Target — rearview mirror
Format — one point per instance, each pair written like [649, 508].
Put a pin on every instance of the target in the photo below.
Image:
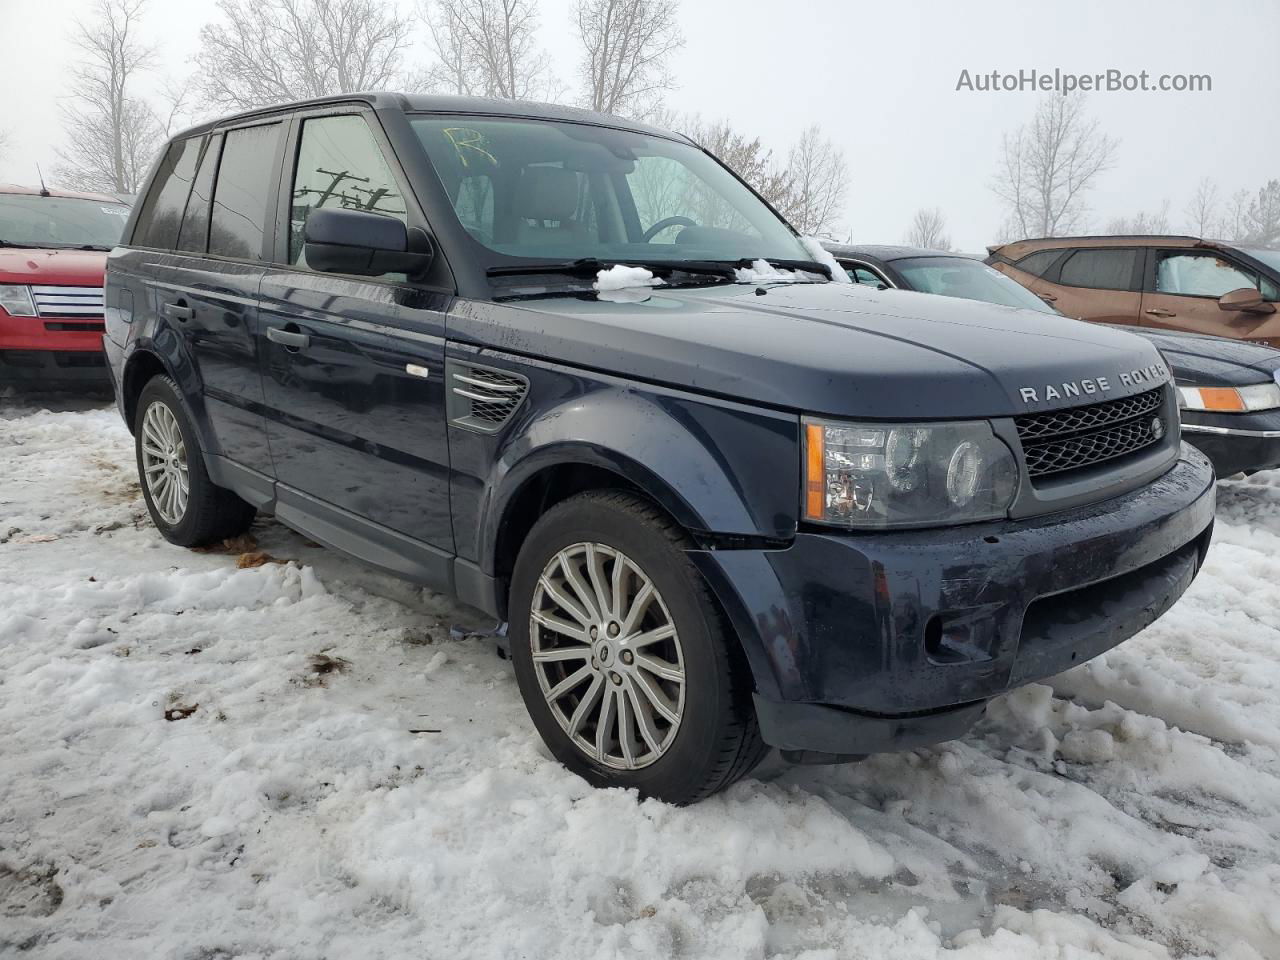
[362, 243]
[1246, 299]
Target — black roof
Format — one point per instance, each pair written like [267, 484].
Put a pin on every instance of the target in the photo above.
[442, 103]
[887, 252]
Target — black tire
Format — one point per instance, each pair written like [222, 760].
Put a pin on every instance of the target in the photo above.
[212, 513]
[717, 740]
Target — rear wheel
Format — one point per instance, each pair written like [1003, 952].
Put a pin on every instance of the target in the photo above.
[185, 505]
[623, 659]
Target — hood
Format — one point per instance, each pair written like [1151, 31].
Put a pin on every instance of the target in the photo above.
[74, 268]
[827, 348]
[1199, 360]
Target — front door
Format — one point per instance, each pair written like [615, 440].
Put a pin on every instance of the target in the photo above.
[1182, 293]
[353, 370]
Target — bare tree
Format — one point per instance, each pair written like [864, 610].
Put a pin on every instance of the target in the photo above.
[1202, 210]
[489, 48]
[1142, 222]
[112, 135]
[928, 229]
[1048, 166]
[1262, 223]
[818, 178]
[745, 156]
[1233, 225]
[272, 51]
[4, 143]
[626, 46]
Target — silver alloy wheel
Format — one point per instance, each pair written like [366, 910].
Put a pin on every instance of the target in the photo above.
[164, 462]
[607, 656]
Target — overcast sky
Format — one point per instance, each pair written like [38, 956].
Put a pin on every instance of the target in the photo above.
[880, 78]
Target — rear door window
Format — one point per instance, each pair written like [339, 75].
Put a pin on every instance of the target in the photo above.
[161, 214]
[1107, 269]
[245, 175]
[195, 222]
[1199, 274]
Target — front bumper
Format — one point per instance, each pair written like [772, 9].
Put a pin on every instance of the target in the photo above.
[51, 352]
[862, 643]
[1237, 442]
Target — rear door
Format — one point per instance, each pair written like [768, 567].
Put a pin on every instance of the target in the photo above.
[1102, 284]
[1182, 291]
[204, 288]
[353, 367]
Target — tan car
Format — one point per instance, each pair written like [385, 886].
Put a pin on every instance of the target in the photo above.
[1162, 282]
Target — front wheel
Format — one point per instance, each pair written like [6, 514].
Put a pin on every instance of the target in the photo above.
[623, 658]
[185, 505]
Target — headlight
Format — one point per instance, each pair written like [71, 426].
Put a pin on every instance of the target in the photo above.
[1256, 396]
[17, 300]
[905, 475]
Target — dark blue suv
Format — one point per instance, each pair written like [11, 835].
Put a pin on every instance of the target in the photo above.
[575, 372]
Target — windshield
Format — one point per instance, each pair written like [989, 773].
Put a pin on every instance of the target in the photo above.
[969, 280]
[30, 220]
[1270, 257]
[546, 190]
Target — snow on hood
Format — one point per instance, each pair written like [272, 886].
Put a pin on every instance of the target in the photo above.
[620, 277]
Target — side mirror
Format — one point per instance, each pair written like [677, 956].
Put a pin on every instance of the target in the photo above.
[362, 243]
[1246, 300]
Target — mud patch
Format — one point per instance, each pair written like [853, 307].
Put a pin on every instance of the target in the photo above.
[29, 892]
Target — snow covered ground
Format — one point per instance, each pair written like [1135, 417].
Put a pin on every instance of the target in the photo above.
[303, 759]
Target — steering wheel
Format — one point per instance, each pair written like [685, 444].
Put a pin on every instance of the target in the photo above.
[665, 222]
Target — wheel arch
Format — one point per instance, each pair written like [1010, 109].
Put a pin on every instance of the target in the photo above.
[553, 476]
[139, 369]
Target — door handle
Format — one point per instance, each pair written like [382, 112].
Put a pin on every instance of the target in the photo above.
[177, 310]
[1161, 312]
[293, 339]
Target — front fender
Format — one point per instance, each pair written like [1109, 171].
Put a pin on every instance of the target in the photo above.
[716, 466]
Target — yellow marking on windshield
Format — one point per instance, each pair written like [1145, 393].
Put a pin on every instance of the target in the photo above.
[465, 140]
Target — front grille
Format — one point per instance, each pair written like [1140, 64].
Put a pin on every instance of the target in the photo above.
[75, 326]
[1063, 440]
[68, 301]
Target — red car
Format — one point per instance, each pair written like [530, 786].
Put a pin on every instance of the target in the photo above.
[53, 251]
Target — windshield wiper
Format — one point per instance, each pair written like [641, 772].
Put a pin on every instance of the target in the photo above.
[54, 246]
[587, 267]
[808, 266]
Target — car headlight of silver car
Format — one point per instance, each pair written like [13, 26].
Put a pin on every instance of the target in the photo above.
[876, 475]
[16, 300]
[1247, 399]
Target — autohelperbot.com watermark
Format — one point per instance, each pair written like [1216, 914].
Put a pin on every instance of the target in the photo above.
[1067, 82]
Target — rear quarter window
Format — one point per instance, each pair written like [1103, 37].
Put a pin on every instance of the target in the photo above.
[195, 222]
[1037, 263]
[161, 213]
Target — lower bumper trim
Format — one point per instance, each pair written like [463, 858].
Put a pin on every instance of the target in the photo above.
[824, 729]
[1231, 431]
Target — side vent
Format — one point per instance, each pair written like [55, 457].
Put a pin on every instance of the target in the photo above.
[483, 398]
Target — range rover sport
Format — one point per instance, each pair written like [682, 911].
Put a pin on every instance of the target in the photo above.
[736, 504]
